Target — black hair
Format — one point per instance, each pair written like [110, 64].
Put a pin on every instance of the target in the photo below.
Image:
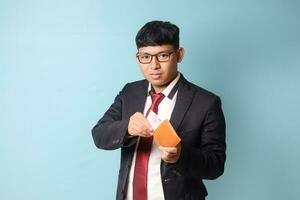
[158, 33]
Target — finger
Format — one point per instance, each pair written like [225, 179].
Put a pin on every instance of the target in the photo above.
[167, 159]
[170, 158]
[170, 150]
[145, 129]
[137, 129]
[145, 122]
[145, 133]
[139, 125]
[141, 122]
[168, 155]
[139, 132]
[142, 131]
[134, 131]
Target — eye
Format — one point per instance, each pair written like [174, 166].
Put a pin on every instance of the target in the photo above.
[144, 57]
[163, 55]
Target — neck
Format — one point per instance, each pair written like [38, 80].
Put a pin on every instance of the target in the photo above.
[158, 89]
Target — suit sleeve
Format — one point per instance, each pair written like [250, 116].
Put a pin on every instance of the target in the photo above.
[111, 131]
[207, 161]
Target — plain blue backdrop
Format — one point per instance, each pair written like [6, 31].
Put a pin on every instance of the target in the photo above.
[62, 62]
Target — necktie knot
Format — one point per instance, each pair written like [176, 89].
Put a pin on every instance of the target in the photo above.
[156, 99]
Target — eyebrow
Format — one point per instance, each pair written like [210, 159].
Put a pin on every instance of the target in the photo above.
[164, 51]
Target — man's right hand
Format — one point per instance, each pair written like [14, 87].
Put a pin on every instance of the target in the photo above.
[139, 125]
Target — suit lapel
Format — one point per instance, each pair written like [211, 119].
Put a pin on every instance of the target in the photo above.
[184, 99]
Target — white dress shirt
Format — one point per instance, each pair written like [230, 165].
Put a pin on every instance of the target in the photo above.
[154, 183]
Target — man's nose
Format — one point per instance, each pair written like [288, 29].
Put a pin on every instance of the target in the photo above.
[155, 64]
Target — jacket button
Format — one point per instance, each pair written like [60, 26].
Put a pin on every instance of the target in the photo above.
[115, 141]
[176, 172]
[167, 180]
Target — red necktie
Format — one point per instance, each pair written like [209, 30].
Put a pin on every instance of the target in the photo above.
[142, 156]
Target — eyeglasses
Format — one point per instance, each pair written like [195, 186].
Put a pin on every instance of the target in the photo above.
[145, 58]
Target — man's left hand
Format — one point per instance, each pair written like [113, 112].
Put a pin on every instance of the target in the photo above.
[170, 154]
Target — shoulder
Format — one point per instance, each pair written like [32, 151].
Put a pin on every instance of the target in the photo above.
[199, 92]
[201, 99]
[136, 86]
[140, 84]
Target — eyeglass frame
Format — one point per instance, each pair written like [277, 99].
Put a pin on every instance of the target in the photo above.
[156, 56]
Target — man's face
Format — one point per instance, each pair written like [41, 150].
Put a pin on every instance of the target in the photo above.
[163, 68]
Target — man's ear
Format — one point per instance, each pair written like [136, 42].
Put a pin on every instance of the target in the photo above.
[136, 59]
[180, 54]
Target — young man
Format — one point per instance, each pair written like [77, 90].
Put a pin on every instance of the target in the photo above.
[148, 171]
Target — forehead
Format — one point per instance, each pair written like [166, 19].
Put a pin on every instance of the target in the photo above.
[156, 49]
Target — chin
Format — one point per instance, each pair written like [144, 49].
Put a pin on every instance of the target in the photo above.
[157, 82]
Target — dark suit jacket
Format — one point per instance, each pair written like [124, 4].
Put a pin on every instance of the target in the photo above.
[197, 118]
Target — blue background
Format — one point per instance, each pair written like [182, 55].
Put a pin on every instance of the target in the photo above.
[62, 62]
